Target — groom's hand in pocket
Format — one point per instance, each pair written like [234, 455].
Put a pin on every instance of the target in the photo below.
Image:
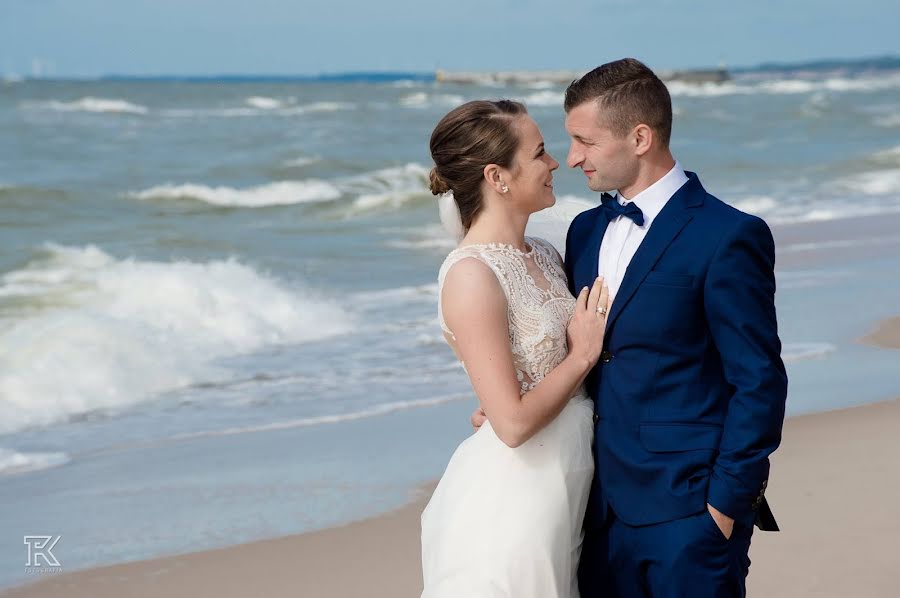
[478, 418]
[725, 523]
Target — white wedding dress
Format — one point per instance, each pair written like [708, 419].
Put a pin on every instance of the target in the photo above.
[506, 522]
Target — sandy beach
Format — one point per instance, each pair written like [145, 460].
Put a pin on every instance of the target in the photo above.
[887, 334]
[833, 487]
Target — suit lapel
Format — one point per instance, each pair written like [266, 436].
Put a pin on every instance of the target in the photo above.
[590, 260]
[666, 226]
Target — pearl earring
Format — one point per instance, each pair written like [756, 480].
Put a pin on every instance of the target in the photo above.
[503, 187]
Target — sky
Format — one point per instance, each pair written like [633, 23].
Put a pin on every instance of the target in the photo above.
[88, 38]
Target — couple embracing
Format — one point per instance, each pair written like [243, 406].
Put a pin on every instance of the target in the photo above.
[631, 394]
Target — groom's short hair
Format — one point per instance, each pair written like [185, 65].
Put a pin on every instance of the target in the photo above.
[629, 94]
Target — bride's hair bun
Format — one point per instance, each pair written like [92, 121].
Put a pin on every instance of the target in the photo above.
[466, 140]
[438, 185]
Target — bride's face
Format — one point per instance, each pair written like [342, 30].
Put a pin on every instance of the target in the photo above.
[531, 178]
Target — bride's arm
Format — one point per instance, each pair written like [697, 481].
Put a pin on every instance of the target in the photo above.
[475, 309]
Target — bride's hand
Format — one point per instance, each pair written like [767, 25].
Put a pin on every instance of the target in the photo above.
[588, 325]
[478, 418]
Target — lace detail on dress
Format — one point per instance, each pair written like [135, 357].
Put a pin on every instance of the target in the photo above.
[539, 304]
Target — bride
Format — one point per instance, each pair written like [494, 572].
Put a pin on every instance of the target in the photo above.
[506, 517]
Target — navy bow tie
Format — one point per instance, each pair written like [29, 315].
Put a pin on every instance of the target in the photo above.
[614, 209]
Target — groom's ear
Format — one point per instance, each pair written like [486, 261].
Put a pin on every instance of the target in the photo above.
[642, 136]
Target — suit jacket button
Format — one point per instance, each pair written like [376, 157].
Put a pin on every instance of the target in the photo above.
[606, 357]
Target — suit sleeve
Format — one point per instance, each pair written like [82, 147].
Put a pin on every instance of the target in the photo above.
[739, 297]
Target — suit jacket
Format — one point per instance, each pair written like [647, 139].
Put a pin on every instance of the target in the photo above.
[690, 390]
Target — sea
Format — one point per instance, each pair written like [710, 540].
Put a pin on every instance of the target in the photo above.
[218, 295]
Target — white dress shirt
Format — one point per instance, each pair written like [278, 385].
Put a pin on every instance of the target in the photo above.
[623, 236]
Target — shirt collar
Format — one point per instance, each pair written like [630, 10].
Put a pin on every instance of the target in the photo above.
[652, 199]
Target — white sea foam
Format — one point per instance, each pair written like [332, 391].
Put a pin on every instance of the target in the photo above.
[97, 332]
[878, 182]
[385, 188]
[260, 106]
[785, 86]
[15, 462]
[301, 161]
[793, 352]
[421, 99]
[544, 98]
[272, 194]
[759, 205]
[264, 103]
[318, 107]
[91, 104]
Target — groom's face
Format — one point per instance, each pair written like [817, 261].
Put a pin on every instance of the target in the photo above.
[607, 160]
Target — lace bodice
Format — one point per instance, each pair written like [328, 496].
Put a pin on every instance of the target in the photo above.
[538, 300]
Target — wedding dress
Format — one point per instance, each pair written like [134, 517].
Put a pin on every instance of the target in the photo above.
[506, 522]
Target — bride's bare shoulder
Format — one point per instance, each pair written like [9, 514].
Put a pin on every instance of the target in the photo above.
[470, 276]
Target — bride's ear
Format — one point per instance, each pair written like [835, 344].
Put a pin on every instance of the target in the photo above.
[493, 174]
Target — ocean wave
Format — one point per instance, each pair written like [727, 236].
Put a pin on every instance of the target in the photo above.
[91, 104]
[544, 98]
[264, 103]
[425, 292]
[891, 120]
[889, 154]
[876, 192]
[386, 188]
[804, 279]
[759, 205]
[319, 107]
[260, 106]
[793, 352]
[375, 411]
[422, 99]
[839, 244]
[301, 161]
[432, 236]
[552, 224]
[83, 331]
[785, 86]
[273, 194]
[878, 182]
[12, 462]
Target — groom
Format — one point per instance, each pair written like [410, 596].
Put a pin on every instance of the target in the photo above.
[690, 389]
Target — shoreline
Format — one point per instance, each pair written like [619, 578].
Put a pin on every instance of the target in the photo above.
[837, 536]
[886, 334]
[830, 490]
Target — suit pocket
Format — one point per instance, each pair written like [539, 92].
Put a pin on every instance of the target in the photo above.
[669, 279]
[665, 437]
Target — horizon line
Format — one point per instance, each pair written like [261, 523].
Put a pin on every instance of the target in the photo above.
[363, 75]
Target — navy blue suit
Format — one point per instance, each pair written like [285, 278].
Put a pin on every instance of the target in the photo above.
[689, 396]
